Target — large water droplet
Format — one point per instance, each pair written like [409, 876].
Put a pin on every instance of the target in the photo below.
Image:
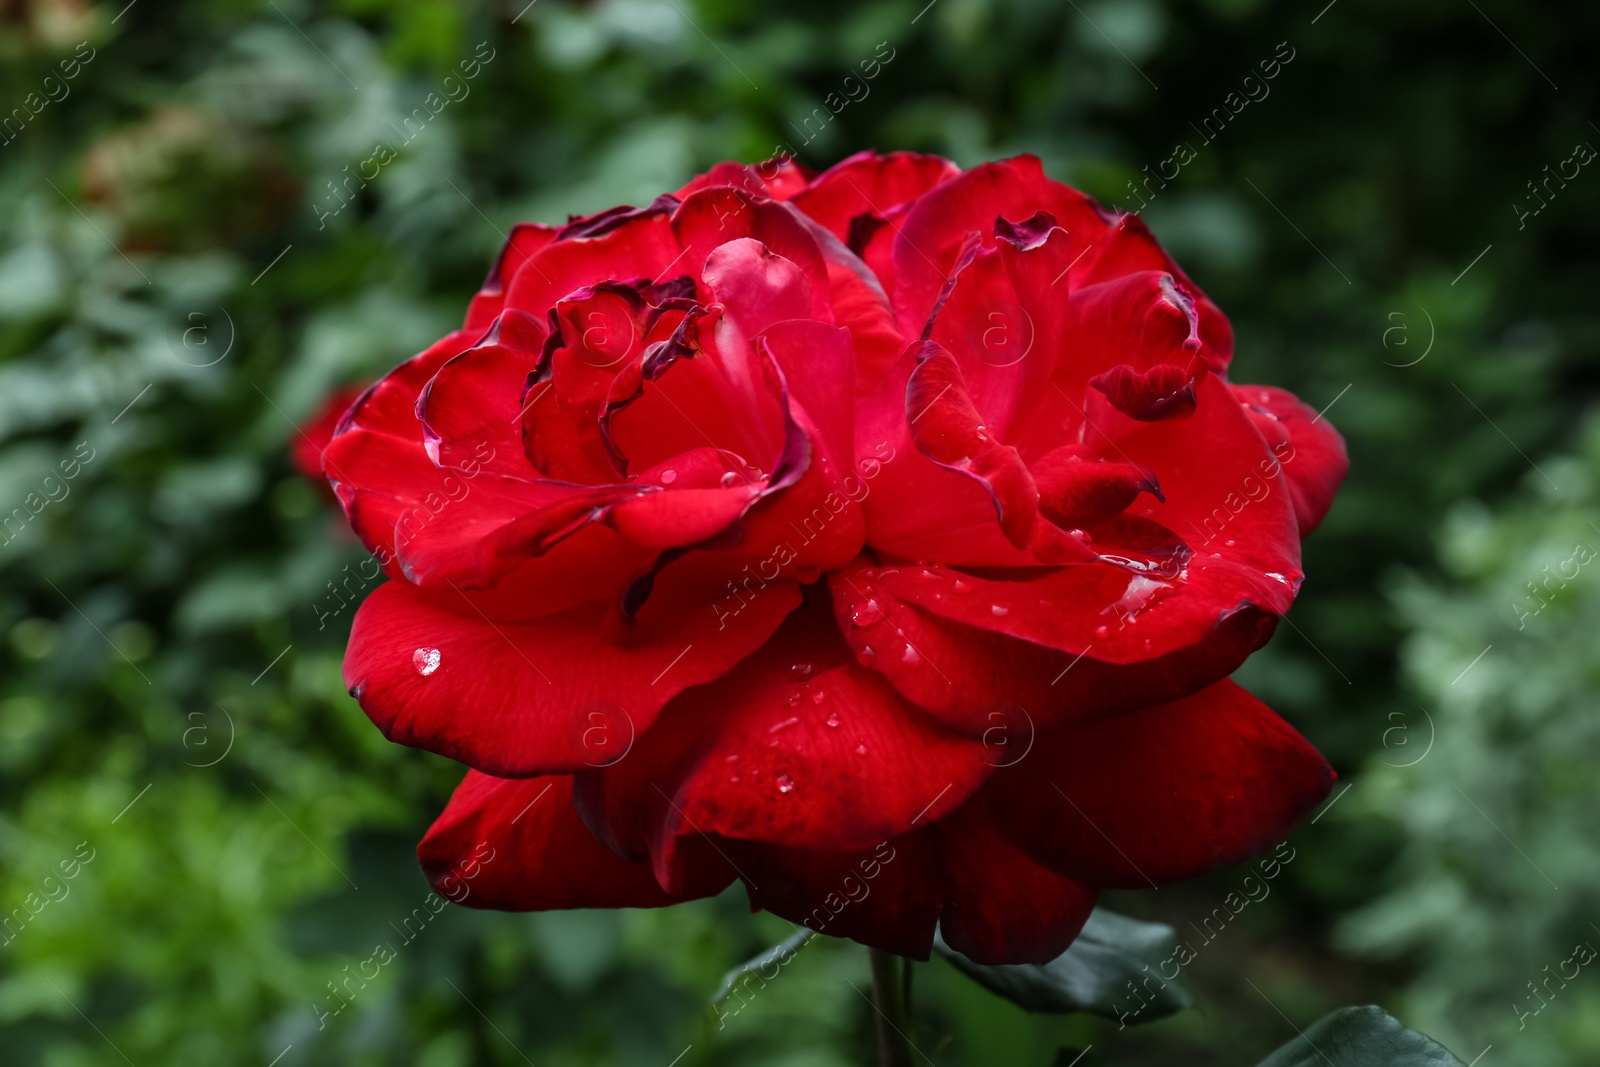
[668, 477]
[728, 479]
[998, 611]
[911, 657]
[425, 660]
[961, 587]
[785, 784]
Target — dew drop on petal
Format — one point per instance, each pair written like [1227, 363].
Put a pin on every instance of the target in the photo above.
[911, 657]
[924, 577]
[961, 587]
[803, 670]
[1101, 631]
[668, 477]
[866, 656]
[818, 697]
[784, 725]
[998, 611]
[868, 614]
[1230, 542]
[728, 479]
[785, 784]
[732, 757]
[425, 660]
[834, 720]
[861, 750]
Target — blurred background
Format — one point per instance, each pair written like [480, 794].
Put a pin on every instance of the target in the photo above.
[201, 238]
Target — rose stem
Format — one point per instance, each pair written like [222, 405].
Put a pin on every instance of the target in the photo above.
[894, 1048]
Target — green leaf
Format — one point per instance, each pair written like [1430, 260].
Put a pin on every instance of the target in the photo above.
[1093, 975]
[1361, 1037]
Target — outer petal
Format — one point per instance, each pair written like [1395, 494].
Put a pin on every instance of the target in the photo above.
[1004, 690]
[869, 184]
[512, 698]
[518, 845]
[1310, 449]
[526, 239]
[929, 241]
[991, 900]
[1162, 794]
[799, 746]
[315, 434]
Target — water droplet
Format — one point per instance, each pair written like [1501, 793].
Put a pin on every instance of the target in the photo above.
[961, 586]
[924, 577]
[998, 611]
[861, 750]
[1101, 631]
[425, 660]
[818, 697]
[803, 670]
[911, 657]
[668, 477]
[728, 479]
[784, 725]
[834, 720]
[1230, 542]
[1277, 577]
[732, 758]
[733, 779]
[866, 656]
[868, 614]
[795, 697]
[785, 784]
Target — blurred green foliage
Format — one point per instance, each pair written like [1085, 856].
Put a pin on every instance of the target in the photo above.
[177, 288]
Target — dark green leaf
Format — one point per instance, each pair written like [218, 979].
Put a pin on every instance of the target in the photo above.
[1094, 974]
[1361, 1037]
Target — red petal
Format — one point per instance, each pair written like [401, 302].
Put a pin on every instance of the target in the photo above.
[798, 746]
[1310, 449]
[511, 698]
[526, 239]
[714, 216]
[518, 845]
[870, 184]
[1130, 248]
[641, 247]
[1003, 690]
[990, 900]
[313, 436]
[758, 286]
[469, 409]
[948, 428]
[1162, 392]
[929, 240]
[1164, 793]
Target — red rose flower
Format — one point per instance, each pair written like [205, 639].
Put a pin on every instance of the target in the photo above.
[882, 540]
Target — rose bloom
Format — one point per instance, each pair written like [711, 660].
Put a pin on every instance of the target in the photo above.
[882, 540]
